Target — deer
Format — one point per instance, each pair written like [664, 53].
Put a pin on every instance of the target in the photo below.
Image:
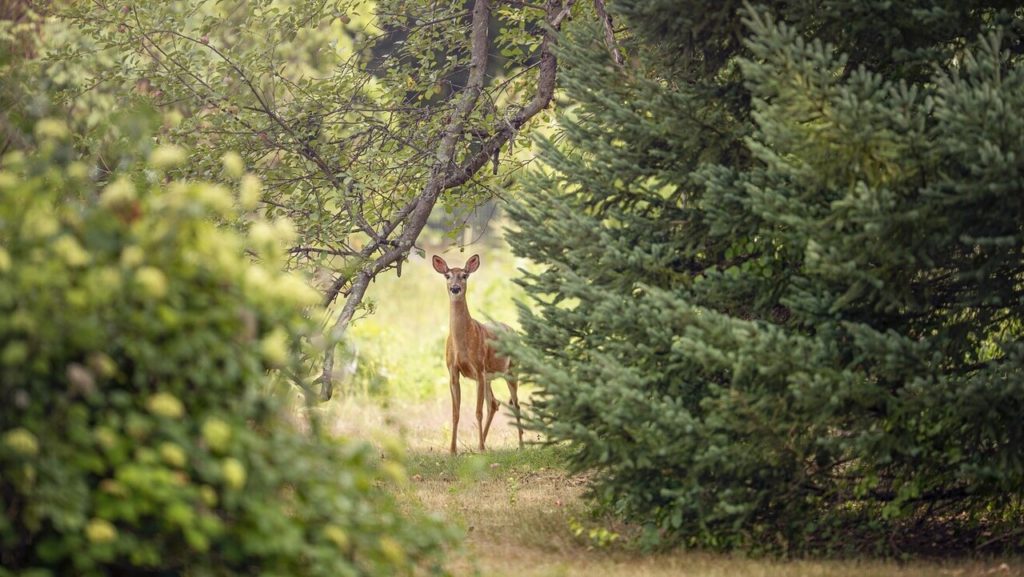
[469, 352]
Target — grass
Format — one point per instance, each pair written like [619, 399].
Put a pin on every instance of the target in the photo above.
[506, 501]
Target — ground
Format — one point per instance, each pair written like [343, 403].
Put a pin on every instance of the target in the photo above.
[524, 515]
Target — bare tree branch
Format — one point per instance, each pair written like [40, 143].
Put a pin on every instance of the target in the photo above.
[609, 32]
[547, 69]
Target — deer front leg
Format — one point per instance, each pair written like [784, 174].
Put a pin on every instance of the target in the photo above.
[453, 383]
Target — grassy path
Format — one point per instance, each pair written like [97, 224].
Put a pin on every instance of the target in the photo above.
[520, 510]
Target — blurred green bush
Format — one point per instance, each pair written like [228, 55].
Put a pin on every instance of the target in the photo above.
[136, 433]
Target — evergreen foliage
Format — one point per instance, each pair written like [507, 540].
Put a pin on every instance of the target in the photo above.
[781, 304]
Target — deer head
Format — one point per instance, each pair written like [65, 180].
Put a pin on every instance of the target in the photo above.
[456, 277]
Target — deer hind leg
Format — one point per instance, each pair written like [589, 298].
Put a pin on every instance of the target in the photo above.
[513, 389]
[492, 407]
[480, 386]
[453, 380]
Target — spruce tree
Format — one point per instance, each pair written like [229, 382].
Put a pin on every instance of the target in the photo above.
[780, 298]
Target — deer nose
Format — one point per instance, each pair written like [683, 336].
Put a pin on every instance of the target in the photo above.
[456, 290]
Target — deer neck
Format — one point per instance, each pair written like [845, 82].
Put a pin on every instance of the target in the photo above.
[461, 325]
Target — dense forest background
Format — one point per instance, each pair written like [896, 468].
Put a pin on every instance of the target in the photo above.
[767, 262]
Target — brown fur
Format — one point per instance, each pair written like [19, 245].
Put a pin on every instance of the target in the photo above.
[469, 353]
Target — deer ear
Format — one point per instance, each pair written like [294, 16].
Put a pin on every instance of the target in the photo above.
[439, 264]
[473, 263]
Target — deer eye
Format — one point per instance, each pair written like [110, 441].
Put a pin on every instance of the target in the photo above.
[464, 276]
